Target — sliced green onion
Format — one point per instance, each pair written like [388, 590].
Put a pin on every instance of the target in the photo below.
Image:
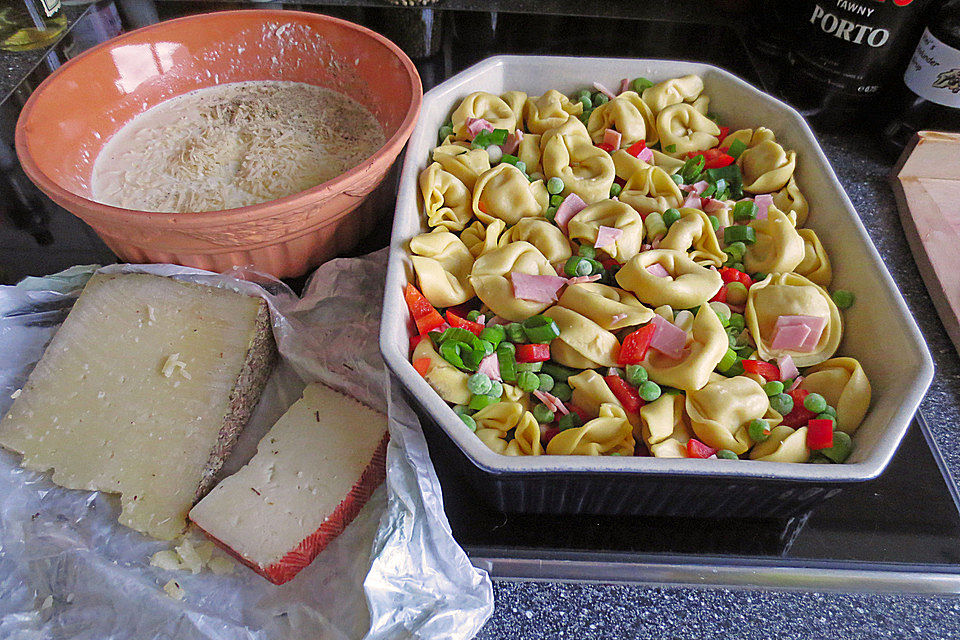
[528, 381]
[723, 312]
[507, 361]
[728, 360]
[494, 334]
[736, 251]
[736, 148]
[586, 251]
[639, 84]
[550, 213]
[509, 159]
[480, 401]
[558, 371]
[515, 333]
[714, 222]
[745, 210]
[540, 329]
[737, 322]
[730, 173]
[692, 168]
[726, 454]
[529, 366]
[556, 200]
[737, 233]
[677, 178]
[736, 370]
[445, 130]
[670, 148]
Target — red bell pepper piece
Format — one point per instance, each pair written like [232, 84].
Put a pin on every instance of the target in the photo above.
[456, 321]
[625, 393]
[637, 147]
[426, 317]
[715, 158]
[415, 340]
[533, 352]
[620, 181]
[422, 365]
[635, 345]
[572, 408]
[606, 147]
[800, 414]
[609, 262]
[729, 274]
[721, 295]
[819, 433]
[724, 132]
[696, 449]
[767, 370]
[746, 280]
[547, 434]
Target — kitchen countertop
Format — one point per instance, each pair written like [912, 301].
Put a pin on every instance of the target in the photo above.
[535, 610]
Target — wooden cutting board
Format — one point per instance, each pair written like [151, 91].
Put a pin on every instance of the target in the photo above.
[926, 182]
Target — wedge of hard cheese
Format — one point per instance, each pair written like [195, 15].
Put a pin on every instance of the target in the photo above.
[142, 392]
[311, 475]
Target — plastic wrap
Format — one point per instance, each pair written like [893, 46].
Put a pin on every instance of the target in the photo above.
[68, 570]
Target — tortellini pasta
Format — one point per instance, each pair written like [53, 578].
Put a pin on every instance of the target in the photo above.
[720, 411]
[665, 427]
[842, 382]
[545, 246]
[480, 238]
[500, 111]
[505, 193]
[815, 265]
[443, 265]
[693, 234]
[778, 248]
[651, 189]
[491, 279]
[569, 154]
[546, 237]
[673, 91]
[706, 344]
[609, 307]
[790, 199]
[766, 167]
[628, 114]
[465, 164]
[789, 294]
[552, 109]
[683, 129]
[610, 432]
[583, 343]
[687, 285]
[446, 200]
[585, 227]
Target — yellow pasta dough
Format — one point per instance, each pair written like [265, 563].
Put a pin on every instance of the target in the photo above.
[688, 284]
[446, 200]
[442, 263]
[844, 385]
[585, 226]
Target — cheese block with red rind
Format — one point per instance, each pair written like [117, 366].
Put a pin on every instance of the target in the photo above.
[313, 472]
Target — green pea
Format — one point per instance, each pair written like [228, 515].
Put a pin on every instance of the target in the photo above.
[586, 102]
[739, 266]
[556, 201]
[736, 251]
[758, 430]
[550, 213]
[830, 411]
[585, 116]
[827, 416]
[488, 347]
[569, 421]
[773, 388]
[473, 315]
[507, 346]
[445, 130]
[726, 454]
[843, 299]
[639, 84]
[496, 389]
[715, 223]
[737, 322]
[649, 391]
[528, 381]
[670, 216]
[580, 94]
[461, 409]
[759, 276]
[636, 374]
[841, 449]
[546, 382]
[469, 421]
[782, 403]
[599, 99]
[588, 252]
[521, 165]
[562, 391]
[815, 403]
[529, 366]
[479, 383]
[554, 185]
[736, 293]
[543, 414]
[615, 190]
[494, 334]
[515, 333]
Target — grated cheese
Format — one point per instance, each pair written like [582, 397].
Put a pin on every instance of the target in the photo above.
[234, 145]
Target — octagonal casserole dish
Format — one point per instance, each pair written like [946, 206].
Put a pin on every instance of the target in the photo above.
[879, 332]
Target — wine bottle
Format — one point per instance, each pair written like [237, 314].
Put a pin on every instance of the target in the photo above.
[30, 24]
[844, 53]
[929, 96]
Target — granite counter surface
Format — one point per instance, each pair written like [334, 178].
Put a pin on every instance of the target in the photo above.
[542, 610]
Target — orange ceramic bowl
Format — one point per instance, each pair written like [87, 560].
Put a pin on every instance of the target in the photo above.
[73, 113]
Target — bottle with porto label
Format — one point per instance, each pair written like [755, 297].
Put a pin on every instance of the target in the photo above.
[929, 96]
[845, 52]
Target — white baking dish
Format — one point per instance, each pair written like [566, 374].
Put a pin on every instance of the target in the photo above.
[879, 330]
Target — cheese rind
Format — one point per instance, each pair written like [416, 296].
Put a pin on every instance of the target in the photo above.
[100, 412]
[313, 472]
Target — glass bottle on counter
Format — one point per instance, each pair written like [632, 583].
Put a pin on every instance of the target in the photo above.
[30, 24]
[844, 53]
[929, 96]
